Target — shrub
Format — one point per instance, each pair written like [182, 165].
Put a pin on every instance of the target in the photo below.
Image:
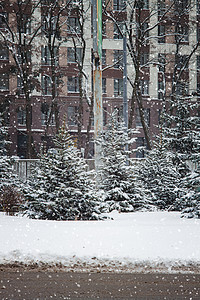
[10, 199]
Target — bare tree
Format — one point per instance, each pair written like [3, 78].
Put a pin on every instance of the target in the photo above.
[18, 36]
[142, 18]
[77, 34]
[53, 21]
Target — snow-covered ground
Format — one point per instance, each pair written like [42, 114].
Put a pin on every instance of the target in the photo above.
[131, 242]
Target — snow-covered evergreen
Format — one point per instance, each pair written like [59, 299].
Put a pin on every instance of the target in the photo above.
[159, 178]
[6, 162]
[181, 133]
[191, 201]
[10, 198]
[182, 137]
[60, 187]
[117, 177]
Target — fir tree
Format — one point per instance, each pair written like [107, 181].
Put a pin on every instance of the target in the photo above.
[182, 137]
[117, 177]
[181, 134]
[60, 188]
[6, 163]
[10, 197]
[191, 201]
[159, 178]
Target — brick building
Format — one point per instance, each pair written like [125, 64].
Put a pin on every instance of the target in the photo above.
[165, 60]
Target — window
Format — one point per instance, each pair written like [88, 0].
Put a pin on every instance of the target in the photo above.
[162, 62]
[161, 7]
[118, 29]
[74, 55]
[144, 86]
[144, 29]
[21, 116]
[198, 88]
[118, 59]
[104, 116]
[72, 115]
[144, 59]
[144, 4]
[140, 147]
[73, 84]
[21, 145]
[3, 19]
[181, 5]
[24, 56]
[182, 88]
[198, 63]
[161, 34]
[73, 26]
[104, 57]
[198, 7]
[20, 88]
[146, 112]
[119, 4]
[104, 85]
[46, 57]
[119, 115]
[46, 85]
[48, 2]
[45, 112]
[198, 33]
[118, 87]
[137, 118]
[4, 81]
[182, 33]
[181, 62]
[49, 25]
[24, 24]
[4, 55]
[161, 89]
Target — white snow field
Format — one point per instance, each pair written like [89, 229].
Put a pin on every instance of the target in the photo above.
[131, 242]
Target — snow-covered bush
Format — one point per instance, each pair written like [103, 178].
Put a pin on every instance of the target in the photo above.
[60, 187]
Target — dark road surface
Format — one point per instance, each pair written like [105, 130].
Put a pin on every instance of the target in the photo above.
[30, 285]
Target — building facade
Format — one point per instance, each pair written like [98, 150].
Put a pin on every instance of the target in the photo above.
[46, 66]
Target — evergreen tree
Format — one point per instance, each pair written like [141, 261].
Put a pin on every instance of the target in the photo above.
[10, 198]
[182, 137]
[6, 163]
[117, 177]
[60, 188]
[159, 177]
[191, 201]
[181, 134]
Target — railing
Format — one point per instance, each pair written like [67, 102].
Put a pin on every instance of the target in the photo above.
[23, 167]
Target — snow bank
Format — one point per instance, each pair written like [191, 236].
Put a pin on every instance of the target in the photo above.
[130, 242]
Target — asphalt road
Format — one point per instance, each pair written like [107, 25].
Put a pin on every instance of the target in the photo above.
[32, 285]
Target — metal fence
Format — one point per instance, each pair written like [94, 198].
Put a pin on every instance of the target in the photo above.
[24, 167]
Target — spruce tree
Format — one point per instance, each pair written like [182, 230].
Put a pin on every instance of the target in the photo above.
[159, 178]
[182, 137]
[10, 197]
[7, 176]
[117, 177]
[60, 188]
